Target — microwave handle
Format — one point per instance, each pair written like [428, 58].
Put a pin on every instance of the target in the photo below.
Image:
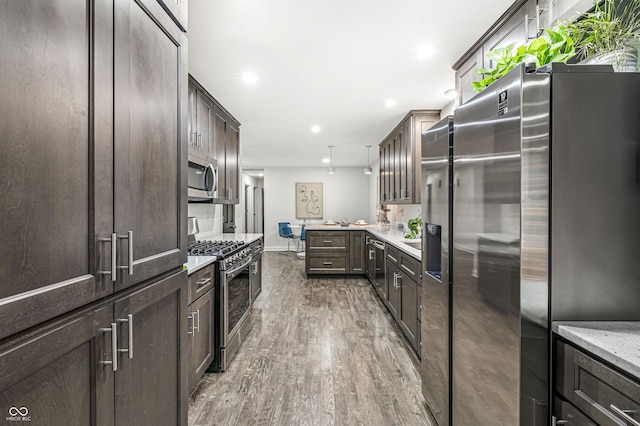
[214, 180]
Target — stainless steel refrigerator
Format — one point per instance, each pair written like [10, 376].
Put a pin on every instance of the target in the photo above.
[546, 204]
[437, 208]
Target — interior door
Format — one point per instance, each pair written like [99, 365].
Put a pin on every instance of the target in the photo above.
[53, 210]
[150, 127]
[151, 382]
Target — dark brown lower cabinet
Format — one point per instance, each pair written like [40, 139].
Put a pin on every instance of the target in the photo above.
[200, 331]
[393, 290]
[409, 310]
[255, 278]
[65, 372]
[356, 252]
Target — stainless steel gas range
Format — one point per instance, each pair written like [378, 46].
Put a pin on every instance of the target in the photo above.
[232, 296]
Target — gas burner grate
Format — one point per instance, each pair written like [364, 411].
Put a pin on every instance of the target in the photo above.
[214, 248]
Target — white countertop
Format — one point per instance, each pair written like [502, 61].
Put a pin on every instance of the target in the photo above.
[195, 263]
[617, 342]
[390, 236]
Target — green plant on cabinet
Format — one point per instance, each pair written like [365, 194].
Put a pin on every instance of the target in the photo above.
[555, 45]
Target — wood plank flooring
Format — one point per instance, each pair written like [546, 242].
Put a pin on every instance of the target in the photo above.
[322, 351]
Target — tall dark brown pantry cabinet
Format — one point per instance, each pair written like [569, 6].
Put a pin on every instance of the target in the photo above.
[93, 212]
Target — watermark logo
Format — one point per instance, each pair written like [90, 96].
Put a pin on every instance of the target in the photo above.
[18, 414]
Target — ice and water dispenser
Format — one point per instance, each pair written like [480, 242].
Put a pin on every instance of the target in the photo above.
[433, 244]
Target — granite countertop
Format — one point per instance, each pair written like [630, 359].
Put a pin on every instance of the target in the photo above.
[390, 236]
[617, 342]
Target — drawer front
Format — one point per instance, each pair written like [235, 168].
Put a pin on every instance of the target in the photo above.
[327, 240]
[594, 388]
[200, 282]
[328, 264]
[410, 266]
[567, 414]
[392, 254]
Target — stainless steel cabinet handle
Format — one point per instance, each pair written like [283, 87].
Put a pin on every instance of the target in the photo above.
[408, 270]
[626, 417]
[370, 254]
[203, 281]
[392, 258]
[327, 263]
[114, 256]
[199, 140]
[128, 320]
[191, 332]
[195, 139]
[130, 236]
[558, 422]
[114, 346]
[255, 267]
[196, 322]
[327, 242]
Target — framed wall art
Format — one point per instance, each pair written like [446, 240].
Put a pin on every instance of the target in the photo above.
[309, 200]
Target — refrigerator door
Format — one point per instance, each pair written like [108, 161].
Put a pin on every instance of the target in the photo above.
[437, 146]
[486, 327]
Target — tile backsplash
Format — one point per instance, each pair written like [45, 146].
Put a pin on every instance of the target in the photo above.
[209, 217]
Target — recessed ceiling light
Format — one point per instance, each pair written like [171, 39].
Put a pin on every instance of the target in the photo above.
[390, 103]
[249, 77]
[424, 52]
[450, 93]
[315, 129]
[325, 160]
[260, 174]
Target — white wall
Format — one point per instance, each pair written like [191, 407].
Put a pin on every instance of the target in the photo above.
[346, 195]
[448, 109]
[209, 217]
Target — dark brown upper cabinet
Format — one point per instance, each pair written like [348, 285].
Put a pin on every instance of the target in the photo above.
[94, 119]
[215, 134]
[400, 158]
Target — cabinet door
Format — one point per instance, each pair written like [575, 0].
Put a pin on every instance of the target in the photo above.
[232, 152]
[151, 382]
[256, 277]
[150, 127]
[55, 376]
[192, 122]
[178, 10]
[219, 141]
[55, 162]
[409, 308]
[405, 187]
[200, 331]
[466, 75]
[393, 290]
[205, 124]
[356, 252]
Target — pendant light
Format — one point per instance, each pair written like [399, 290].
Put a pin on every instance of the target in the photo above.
[368, 170]
[332, 169]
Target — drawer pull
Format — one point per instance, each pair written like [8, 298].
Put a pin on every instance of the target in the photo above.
[408, 270]
[327, 263]
[203, 281]
[327, 242]
[626, 417]
[392, 258]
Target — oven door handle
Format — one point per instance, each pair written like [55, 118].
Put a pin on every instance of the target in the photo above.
[233, 272]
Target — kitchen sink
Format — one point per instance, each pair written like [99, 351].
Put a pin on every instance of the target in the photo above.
[414, 244]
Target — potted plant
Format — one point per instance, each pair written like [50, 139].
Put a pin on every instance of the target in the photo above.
[554, 45]
[603, 34]
[414, 225]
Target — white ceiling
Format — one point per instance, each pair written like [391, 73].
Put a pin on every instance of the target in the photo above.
[330, 63]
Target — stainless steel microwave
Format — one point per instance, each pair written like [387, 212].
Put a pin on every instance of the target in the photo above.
[202, 179]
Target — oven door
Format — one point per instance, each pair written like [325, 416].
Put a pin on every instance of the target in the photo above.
[202, 180]
[236, 300]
